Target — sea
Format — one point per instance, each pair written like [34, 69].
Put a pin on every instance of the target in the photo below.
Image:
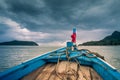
[13, 55]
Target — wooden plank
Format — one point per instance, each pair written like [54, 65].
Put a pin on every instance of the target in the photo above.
[61, 69]
[57, 78]
[33, 75]
[52, 76]
[80, 75]
[94, 75]
[85, 72]
[45, 74]
[72, 71]
[64, 70]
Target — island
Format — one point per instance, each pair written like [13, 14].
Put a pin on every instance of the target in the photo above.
[19, 43]
[113, 39]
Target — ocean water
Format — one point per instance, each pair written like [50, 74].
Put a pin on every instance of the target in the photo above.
[13, 55]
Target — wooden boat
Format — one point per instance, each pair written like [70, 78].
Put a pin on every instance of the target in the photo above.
[63, 64]
[67, 63]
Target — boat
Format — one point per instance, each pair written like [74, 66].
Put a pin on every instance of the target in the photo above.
[66, 63]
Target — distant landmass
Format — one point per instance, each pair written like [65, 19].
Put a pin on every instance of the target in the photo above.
[19, 43]
[113, 39]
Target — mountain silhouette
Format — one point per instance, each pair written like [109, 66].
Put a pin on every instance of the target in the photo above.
[19, 43]
[113, 39]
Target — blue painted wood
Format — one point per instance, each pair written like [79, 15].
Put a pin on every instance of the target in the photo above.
[106, 71]
[21, 70]
[25, 68]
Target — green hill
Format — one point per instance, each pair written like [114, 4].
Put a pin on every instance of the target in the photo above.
[113, 39]
[20, 43]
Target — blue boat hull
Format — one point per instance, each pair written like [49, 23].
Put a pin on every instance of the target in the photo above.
[105, 70]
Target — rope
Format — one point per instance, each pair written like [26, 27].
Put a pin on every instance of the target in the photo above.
[95, 54]
[68, 69]
[67, 54]
[56, 67]
[85, 76]
[66, 73]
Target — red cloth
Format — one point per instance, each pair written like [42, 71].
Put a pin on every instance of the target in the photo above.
[73, 36]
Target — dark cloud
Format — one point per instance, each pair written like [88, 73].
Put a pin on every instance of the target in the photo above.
[31, 7]
[58, 14]
[55, 16]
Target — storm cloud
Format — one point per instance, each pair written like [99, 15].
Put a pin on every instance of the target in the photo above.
[49, 21]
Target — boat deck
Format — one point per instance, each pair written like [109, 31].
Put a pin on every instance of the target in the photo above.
[63, 70]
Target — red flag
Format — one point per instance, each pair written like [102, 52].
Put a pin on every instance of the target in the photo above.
[73, 36]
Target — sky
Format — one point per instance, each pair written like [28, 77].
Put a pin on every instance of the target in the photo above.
[50, 22]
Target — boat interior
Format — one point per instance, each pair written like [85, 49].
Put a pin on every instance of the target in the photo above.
[63, 70]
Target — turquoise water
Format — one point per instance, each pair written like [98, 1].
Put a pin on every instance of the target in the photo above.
[14, 55]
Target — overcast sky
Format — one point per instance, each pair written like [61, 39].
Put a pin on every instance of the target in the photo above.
[50, 22]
